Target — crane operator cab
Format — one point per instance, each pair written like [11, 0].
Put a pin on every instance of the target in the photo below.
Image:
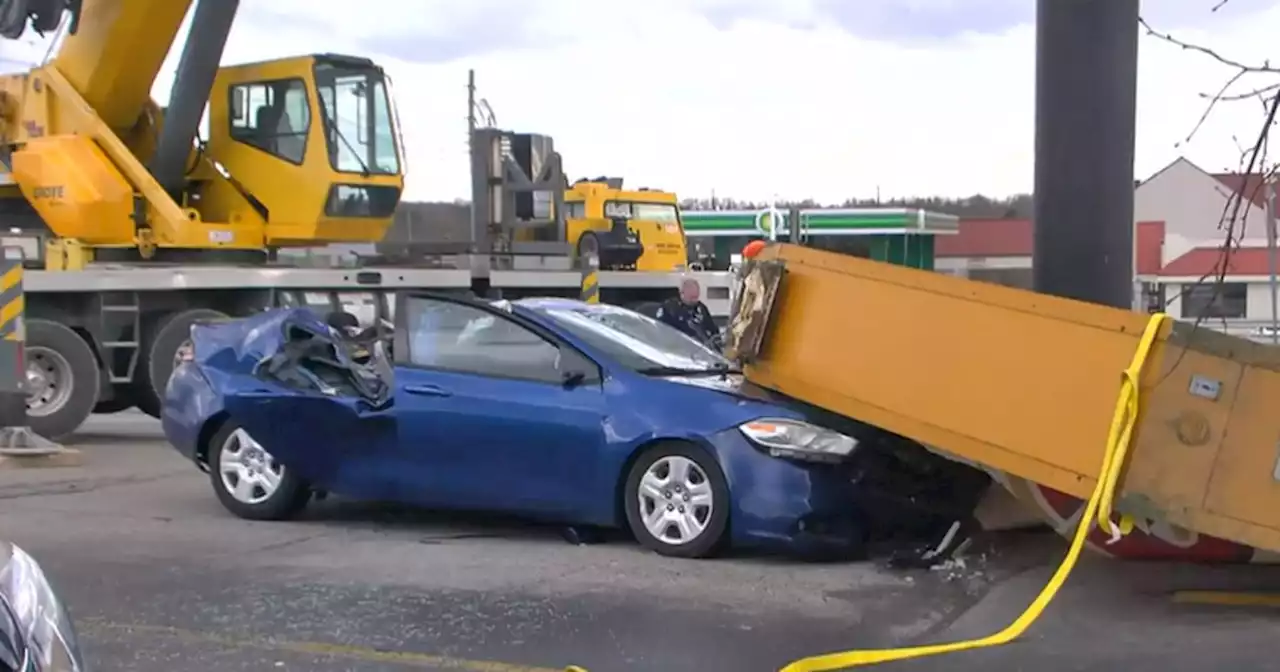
[300, 151]
[317, 139]
[625, 229]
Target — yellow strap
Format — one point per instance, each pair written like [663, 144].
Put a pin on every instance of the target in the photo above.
[1099, 504]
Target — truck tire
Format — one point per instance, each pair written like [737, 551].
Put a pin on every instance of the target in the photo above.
[588, 245]
[160, 345]
[63, 376]
[121, 401]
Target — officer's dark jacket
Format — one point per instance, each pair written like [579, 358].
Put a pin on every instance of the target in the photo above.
[694, 320]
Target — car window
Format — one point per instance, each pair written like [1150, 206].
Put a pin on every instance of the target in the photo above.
[458, 337]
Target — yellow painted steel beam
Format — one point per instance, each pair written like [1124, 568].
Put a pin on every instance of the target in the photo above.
[1025, 383]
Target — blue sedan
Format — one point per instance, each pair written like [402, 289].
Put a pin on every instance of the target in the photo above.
[552, 409]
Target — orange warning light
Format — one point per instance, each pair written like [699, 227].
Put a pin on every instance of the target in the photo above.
[752, 249]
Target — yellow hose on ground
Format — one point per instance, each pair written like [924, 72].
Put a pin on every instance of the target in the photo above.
[1099, 505]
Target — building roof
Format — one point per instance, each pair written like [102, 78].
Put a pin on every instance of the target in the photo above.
[1207, 261]
[1014, 238]
[987, 238]
[1252, 186]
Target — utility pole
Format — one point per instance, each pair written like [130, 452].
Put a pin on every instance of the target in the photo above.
[1086, 90]
[1272, 203]
[471, 105]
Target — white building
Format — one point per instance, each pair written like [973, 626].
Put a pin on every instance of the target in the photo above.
[1182, 215]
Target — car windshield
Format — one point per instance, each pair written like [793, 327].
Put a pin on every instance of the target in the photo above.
[638, 342]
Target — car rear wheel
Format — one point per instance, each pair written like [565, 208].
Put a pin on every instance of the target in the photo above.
[677, 501]
[249, 481]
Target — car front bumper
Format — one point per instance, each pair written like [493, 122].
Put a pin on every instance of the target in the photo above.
[788, 505]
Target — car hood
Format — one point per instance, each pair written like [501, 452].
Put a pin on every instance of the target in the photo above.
[742, 399]
[734, 384]
[29, 604]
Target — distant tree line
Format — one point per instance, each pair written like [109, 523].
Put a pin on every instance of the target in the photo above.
[976, 207]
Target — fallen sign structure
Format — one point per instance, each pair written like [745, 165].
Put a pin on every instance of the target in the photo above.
[19, 446]
[1023, 384]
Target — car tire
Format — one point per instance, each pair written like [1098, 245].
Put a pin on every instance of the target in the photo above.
[689, 529]
[160, 345]
[289, 496]
[64, 396]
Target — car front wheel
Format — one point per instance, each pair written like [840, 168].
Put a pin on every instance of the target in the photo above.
[249, 481]
[677, 501]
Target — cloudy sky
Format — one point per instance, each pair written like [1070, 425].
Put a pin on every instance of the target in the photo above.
[757, 98]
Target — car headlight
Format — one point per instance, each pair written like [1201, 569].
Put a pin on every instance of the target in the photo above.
[797, 439]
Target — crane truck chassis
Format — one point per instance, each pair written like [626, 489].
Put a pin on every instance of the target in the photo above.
[105, 338]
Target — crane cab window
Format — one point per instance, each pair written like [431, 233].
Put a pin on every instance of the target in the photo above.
[272, 116]
[575, 210]
[666, 213]
[359, 123]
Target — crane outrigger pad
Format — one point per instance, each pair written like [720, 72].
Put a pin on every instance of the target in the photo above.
[1023, 384]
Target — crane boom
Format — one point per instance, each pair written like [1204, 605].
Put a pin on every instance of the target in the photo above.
[116, 53]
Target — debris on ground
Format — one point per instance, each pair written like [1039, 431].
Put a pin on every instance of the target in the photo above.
[582, 535]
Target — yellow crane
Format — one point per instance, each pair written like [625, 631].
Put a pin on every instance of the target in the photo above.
[635, 229]
[134, 228]
[301, 150]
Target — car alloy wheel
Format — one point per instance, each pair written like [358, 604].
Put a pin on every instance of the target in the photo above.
[249, 473]
[248, 480]
[676, 501]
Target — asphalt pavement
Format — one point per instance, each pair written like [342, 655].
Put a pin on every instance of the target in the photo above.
[159, 577]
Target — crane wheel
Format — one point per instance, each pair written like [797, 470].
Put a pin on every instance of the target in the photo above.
[162, 341]
[62, 379]
[121, 402]
[588, 246]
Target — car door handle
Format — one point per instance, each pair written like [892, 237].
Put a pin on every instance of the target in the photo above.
[427, 391]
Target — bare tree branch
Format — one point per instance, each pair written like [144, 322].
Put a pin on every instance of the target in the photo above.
[1254, 175]
[1187, 46]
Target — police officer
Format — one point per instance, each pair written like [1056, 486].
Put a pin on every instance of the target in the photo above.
[690, 315]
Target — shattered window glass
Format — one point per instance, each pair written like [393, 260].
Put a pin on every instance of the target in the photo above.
[361, 304]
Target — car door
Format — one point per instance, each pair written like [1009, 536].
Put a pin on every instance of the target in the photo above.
[494, 412]
[335, 442]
